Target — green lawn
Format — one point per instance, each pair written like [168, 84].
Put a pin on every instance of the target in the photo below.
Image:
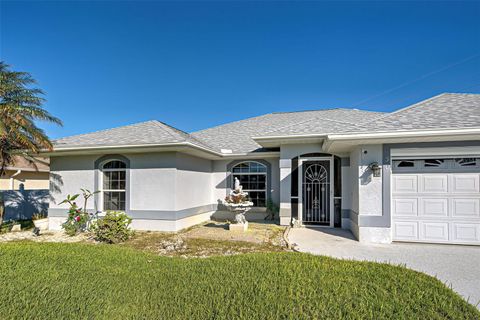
[85, 281]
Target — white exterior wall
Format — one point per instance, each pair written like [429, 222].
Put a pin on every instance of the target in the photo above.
[370, 187]
[166, 191]
[152, 181]
[193, 182]
[367, 196]
[68, 175]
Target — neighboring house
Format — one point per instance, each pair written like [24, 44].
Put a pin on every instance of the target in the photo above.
[27, 175]
[410, 175]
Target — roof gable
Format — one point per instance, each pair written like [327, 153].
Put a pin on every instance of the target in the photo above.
[445, 111]
[144, 133]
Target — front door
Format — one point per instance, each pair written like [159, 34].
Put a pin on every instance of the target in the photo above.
[316, 188]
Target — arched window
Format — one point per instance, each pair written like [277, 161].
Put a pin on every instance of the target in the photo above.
[253, 178]
[114, 185]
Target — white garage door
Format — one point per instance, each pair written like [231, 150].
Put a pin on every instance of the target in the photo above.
[436, 200]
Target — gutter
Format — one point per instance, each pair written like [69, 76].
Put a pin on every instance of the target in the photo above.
[163, 145]
[363, 136]
[216, 154]
[425, 133]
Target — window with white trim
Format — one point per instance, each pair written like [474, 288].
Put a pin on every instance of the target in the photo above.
[114, 185]
[253, 178]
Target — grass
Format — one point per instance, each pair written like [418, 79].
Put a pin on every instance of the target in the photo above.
[85, 281]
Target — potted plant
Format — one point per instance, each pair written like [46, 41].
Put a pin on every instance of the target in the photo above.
[40, 221]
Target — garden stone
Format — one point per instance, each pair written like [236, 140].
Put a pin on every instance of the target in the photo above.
[238, 227]
[16, 228]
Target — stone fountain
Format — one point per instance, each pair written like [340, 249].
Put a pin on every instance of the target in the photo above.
[237, 201]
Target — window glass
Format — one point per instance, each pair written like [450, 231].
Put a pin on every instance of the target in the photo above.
[115, 165]
[253, 178]
[404, 163]
[433, 163]
[466, 162]
[114, 185]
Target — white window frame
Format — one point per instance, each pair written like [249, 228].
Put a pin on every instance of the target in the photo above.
[102, 190]
[233, 174]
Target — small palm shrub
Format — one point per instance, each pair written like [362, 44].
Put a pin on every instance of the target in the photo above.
[114, 227]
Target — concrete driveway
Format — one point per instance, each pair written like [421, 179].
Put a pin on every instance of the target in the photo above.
[457, 266]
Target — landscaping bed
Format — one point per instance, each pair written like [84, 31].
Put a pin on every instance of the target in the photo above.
[83, 281]
[203, 240]
[210, 239]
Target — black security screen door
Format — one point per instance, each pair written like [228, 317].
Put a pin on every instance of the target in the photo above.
[316, 192]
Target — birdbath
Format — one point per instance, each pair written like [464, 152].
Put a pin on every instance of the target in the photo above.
[237, 201]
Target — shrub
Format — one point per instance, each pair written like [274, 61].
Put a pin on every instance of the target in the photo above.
[78, 218]
[112, 228]
[39, 216]
[76, 221]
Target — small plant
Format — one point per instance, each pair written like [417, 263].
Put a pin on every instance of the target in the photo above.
[39, 216]
[78, 218]
[272, 210]
[114, 227]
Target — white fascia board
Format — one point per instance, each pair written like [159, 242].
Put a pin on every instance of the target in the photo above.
[411, 153]
[183, 146]
[130, 148]
[270, 142]
[253, 155]
[400, 134]
[362, 136]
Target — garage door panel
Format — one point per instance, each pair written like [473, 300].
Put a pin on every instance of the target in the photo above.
[466, 232]
[465, 208]
[436, 204]
[433, 207]
[405, 230]
[434, 231]
[465, 183]
[405, 184]
[437, 183]
[405, 207]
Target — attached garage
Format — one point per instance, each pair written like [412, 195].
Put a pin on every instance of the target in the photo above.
[436, 200]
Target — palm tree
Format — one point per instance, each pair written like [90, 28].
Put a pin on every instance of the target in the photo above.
[20, 107]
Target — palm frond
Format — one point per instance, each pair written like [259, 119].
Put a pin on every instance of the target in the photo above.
[20, 109]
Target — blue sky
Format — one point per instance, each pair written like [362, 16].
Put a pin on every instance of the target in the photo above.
[199, 64]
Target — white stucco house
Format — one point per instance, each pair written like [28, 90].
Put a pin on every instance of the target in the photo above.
[410, 175]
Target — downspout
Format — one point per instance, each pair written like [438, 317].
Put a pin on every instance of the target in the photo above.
[12, 181]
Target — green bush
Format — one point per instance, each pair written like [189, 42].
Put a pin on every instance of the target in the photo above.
[113, 228]
[76, 221]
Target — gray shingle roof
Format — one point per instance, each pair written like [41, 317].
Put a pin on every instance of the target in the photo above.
[143, 133]
[445, 111]
[237, 136]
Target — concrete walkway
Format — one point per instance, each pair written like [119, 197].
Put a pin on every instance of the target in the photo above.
[457, 266]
